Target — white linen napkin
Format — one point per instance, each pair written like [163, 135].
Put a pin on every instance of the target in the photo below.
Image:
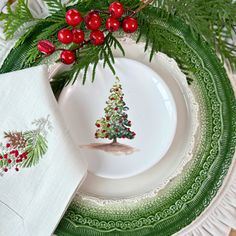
[40, 167]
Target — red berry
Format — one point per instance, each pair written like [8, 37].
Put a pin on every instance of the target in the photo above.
[24, 155]
[98, 125]
[107, 136]
[93, 21]
[46, 47]
[5, 169]
[123, 136]
[65, 36]
[17, 169]
[1, 157]
[15, 153]
[103, 131]
[116, 109]
[67, 57]
[73, 17]
[116, 9]
[9, 161]
[107, 118]
[133, 133]
[97, 37]
[112, 24]
[108, 125]
[78, 36]
[116, 130]
[130, 25]
[5, 156]
[8, 145]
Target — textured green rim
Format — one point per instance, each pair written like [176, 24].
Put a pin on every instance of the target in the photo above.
[189, 194]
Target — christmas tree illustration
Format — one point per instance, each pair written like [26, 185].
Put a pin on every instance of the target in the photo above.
[115, 124]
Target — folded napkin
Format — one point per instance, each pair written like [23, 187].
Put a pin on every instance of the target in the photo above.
[40, 168]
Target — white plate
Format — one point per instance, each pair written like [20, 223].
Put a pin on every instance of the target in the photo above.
[152, 112]
[180, 152]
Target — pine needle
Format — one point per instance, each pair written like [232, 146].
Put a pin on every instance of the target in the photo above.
[89, 54]
[36, 148]
[55, 6]
[213, 20]
[14, 20]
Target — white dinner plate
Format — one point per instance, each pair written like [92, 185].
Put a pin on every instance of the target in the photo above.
[180, 151]
[152, 112]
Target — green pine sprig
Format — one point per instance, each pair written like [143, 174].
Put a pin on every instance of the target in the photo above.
[88, 55]
[36, 148]
[36, 142]
[33, 54]
[14, 20]
[55, 6]
[213, 20]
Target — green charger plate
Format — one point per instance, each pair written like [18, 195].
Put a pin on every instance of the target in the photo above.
[179, 203]
[185, 198]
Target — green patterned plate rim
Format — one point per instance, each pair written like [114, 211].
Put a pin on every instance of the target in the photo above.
[189, 194]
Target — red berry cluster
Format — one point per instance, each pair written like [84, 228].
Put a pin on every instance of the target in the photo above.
[93, 22]
[12, 158]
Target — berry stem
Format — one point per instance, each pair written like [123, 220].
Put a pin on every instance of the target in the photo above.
[60, 49]
[146, 3]
[102, 12]
[84, 43]
[9, 2]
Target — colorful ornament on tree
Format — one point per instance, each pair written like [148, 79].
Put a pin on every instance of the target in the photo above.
[115, 123]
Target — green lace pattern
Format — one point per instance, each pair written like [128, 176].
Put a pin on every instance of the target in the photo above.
[190, 193]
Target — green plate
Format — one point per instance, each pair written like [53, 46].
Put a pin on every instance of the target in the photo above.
[185, 198]
[179, 203]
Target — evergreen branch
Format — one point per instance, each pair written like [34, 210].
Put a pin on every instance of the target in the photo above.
[23, 38]
[36, 148]
[213, 20]
[50, 33]
[142, 6]
[94, 70]
[117, 44]
[89, 54]
[14, 20]
[55, 7]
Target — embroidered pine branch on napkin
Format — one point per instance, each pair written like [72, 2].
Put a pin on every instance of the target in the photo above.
[41, 168]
